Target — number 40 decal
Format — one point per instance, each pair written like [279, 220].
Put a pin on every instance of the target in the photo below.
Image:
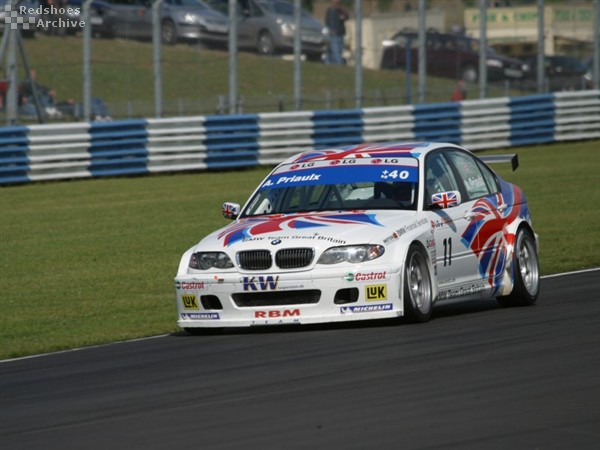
[448, 251]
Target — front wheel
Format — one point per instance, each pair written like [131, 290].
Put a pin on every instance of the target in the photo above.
[418, 297]
[526, 269]
[168, 32]
[469, 74]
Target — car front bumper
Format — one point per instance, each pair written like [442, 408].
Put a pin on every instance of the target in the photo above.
[330, 295]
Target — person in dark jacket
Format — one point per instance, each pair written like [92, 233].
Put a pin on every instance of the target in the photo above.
[335, 19]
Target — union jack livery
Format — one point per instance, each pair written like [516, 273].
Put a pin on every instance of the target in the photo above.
[364, 232]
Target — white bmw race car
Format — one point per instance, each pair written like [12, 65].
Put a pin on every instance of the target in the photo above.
[364, 232]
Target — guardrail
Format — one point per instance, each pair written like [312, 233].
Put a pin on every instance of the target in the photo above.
[132, 147]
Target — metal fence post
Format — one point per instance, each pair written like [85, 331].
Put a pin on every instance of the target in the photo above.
[297, 55]
[596, 60]
[422, 52]
[12, 76]
[482, 48]
[86, 35]
[358, 54]
[233, 95]
[156, 58]
[540, 47]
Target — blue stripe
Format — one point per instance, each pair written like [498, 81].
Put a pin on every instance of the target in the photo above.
[438, 122]
[337, 128]
[532, 119]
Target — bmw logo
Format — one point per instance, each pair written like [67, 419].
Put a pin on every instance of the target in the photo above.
[276, 242]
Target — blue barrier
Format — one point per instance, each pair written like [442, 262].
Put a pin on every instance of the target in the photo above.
[133, 147]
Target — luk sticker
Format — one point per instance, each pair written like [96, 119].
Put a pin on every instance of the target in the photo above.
[190, 301]
[376, 292]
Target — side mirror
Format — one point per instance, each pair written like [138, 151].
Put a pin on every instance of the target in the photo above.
[443, 200]
[230, 210]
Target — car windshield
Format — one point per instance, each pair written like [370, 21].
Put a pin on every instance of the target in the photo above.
[281, 8]
[196, 4]
[338, 185]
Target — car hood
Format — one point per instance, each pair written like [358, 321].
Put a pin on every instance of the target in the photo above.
[306, 23]
[319, 230]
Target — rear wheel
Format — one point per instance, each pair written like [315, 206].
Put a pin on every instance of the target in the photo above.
[418, 297]
[265, 45]
[526, 270]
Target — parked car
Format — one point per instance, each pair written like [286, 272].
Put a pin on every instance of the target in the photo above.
[363, 232]
[562, 73]
[180, 20]
[31, 6]
[268, 26]
[451, 56]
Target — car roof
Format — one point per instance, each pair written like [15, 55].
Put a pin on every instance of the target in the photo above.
[370, 150]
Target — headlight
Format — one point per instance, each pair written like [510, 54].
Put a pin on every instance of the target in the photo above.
[189, 18]
[208, 260]
[494, 63]
[287, 29]
[351, 253]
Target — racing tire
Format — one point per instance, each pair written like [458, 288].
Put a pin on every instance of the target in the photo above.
[168, 32]
[526, 269]
[265, 44]
[418, 296]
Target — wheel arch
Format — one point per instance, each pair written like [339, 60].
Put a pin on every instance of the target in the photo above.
[420, 241]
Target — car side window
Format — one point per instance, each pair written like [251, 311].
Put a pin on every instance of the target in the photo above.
[469, 172]
[490, 178]
[438, 176]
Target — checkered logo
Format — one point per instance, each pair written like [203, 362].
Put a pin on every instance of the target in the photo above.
[12, 18]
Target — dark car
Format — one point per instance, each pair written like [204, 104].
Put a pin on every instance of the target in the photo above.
[451, 56]
[179, 19]
[268, 27]
[562, 73]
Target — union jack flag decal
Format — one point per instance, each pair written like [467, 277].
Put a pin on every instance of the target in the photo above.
[230, 210]
[446, 199]
[255, 226]
[389, 150]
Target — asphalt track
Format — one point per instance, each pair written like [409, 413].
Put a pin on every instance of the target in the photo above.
[476, 376]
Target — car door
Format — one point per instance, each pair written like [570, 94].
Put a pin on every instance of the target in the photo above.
[456, 261]
[124, 17]
[485, 219]
[252, 22]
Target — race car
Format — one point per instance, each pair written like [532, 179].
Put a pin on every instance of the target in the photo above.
[364, 232]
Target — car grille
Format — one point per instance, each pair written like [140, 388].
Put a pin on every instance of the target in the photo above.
[289, 258]
[293, 258]
[255, 259]
[276, 298]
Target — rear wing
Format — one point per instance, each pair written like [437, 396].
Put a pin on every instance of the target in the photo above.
[492, 159]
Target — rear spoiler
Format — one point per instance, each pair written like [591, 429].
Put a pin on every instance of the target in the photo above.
[492, 159]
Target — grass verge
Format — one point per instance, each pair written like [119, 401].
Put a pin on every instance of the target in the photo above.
[92, 261]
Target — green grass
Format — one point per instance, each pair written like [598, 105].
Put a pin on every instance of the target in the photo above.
[92, 261]
[194, 78]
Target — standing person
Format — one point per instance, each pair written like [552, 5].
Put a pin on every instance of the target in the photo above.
[335, 19]
[460, 92]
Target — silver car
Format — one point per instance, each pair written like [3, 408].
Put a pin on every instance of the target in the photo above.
[180, 20]
[268, 27]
